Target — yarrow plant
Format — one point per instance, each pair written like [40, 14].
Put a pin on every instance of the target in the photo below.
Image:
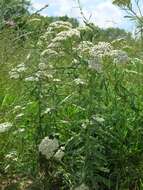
[50, 149]
[71, 88]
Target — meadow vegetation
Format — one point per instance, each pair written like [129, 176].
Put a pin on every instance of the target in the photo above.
[71, 102]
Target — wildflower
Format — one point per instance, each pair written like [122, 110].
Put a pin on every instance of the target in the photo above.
[79, 81]
[66, 35]
[15, 72]
[20, 68]
[59, 154]
[74, 61]
[96, 63]
[98, 118]
[48, 147]
[19, 115]
[11, 155]
[4, 127]
[56, 80]
[14, 75]
[48, 110]
[59, 26]
[31, 79]
[84, 48]
[84, 29]
[119, 56]
[42, 66]
[17, 108]
[101, 49]
[50, 76]
[82, 187]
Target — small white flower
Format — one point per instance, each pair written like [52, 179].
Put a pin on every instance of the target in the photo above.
[48, 110]
[4, 127]
[17, 108]
[50, 76]
[98, 118]
[74, 61]
[56, 80]
[59, 154]
[20, 65]
[19, 115]
[20, 68]
[14, 75]
[31, 79]
[48, 147]
[79, 81]
[42, 66]
[11, 155]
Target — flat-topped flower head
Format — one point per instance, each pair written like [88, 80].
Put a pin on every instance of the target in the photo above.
[48, 147]
[119, 56]
[84, 48]
[101, 48]
[96, 63]
[66, 35]
[59, 26]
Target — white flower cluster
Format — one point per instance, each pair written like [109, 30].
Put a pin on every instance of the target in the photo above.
[82, 187]
[53, 29]
[102, 48]
[84, 48]
[96, 63]
[79, 81]
[66, 35]
[56, 39]
[4, 127]
[42, 66]
[59, 26]
[119, 56]
[50, 149]
[15, 72]
[84, 29]
[31, 79]
[97, 53]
